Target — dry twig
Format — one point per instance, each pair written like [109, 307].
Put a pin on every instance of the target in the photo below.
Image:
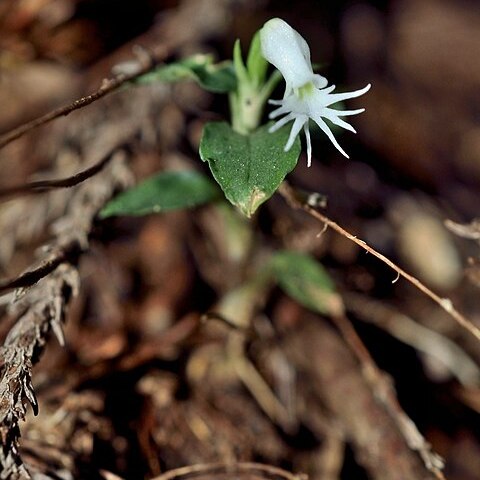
[48, 265]
[418, 336]
[30, 277]
[109, 85]
[295, 200]
[42, 186]
[379, 383]
[234, 469]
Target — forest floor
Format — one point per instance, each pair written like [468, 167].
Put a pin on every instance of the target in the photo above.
[136, 348]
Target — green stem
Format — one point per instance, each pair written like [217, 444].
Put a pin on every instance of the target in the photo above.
[248, 102]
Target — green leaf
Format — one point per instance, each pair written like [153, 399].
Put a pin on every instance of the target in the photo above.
[163, 192]
[248, 168]
[306, 281]
[256, 63]
[171, 73]
[217, 78]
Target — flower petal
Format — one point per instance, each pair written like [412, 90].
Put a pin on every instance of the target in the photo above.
[286, 49]
[339, 97]
[303, 45]
[319, 81]
[279, 111]
[296, 127]
[345, 113]
[319, 98]
[306, 130]
[328, 90]
[326, 130]
[280, 123]
[338, 121]
[307, 94]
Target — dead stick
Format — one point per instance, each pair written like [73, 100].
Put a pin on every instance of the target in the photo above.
[31, 277]
[234, 468]
[294, 200]
[109, 85]
[42, 186]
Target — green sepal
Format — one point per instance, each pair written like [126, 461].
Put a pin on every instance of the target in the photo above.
[240, 69]
[256, 63]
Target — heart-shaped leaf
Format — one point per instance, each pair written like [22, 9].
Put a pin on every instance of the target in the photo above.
[248, 168]
[162, 192]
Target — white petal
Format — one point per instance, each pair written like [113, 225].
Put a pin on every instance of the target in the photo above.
[275, 102]
[285, 48]
[292, 104]
[339, 97]
[303, 45]
[326, 129]
[338, 121]
[283, 121]
[309, 144]
[296, 127]
[319, 81]
[344, 113]
[279, 111]
[330, 89]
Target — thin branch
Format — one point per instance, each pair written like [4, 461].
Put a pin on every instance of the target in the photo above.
[109, 85]
[31, 277]
[233, 468]
[409, 331]
[295, 201]
[42, 186]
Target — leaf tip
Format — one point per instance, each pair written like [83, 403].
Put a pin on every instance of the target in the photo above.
[255, 199]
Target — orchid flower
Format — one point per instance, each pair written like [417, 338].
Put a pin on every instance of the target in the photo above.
[306, 93]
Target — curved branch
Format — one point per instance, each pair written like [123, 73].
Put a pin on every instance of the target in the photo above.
[232, 468]
[295, 200]
[109, 85]
[41, 186]
[30, 277]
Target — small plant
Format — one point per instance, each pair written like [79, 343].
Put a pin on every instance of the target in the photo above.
[248, 160]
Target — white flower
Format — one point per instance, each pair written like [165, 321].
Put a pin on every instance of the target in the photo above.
[306, 95]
